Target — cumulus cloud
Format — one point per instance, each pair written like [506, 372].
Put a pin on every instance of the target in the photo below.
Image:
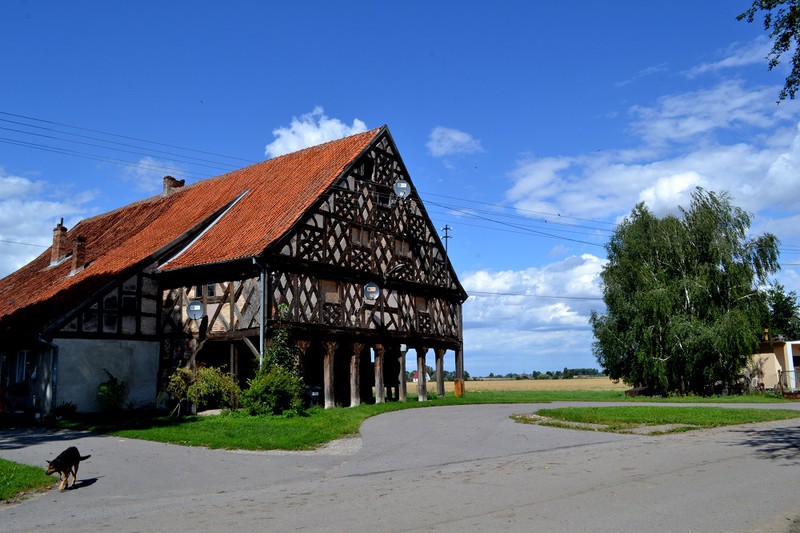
[148, 174]
[687, 116]
[559, 294]
[547, 308]
[682, 145]
[28, 212]
[310, 129]
[445, 142]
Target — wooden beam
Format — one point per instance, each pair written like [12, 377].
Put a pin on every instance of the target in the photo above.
[355, 374]
[440, 371]
[402, 384]
[327, 370]
[380, 389]
[252, 348]
[422, 381]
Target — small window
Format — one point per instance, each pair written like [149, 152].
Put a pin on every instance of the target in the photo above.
[129, 303]
[383, 197]
[360, 236]
[210, 290]
[402, 247]
[110, 323]
[111, 301]
[330, 291]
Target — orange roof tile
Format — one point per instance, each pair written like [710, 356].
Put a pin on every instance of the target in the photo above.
[272, 196]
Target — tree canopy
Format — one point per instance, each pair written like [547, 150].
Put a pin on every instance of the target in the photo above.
[782, 20]
[683, 310]
[783, 318]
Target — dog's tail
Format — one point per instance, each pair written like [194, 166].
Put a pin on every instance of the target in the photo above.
[84, 457]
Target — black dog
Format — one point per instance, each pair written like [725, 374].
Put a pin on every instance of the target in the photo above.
[65, 464]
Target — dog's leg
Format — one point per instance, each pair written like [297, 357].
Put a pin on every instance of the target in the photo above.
[64, 479]
[74, 474]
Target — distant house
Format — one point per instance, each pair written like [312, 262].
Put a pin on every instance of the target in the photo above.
[779, 361]
[332, 241]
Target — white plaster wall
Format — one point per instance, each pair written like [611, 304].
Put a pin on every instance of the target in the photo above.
[80, 370]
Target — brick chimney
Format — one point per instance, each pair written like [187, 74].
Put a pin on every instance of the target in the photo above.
[170, 184]
[78, 254]
[59, 249]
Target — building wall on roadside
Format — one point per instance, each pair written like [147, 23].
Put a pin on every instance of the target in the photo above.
[770, 366]
[81, 364]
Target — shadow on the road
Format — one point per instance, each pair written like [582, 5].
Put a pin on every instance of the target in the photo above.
[776, 444]
[81, 483]
[13, 439]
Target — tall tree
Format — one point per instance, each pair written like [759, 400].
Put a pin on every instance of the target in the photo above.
[682, 305]
[783, 312]
[782, 20]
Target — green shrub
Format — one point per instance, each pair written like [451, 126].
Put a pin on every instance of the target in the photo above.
[274, 392]
[213, 387]
[111, 393]
[210, 386]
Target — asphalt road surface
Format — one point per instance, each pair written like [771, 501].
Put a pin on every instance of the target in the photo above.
[464, 468]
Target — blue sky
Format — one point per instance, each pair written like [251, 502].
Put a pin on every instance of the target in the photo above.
[529, 127]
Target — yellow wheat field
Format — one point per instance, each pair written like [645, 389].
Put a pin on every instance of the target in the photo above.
[485, 384]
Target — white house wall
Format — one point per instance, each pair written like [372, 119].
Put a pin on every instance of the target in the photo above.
[81, 364]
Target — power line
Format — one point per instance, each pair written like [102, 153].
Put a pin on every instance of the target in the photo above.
[484, 293]
[174, 146]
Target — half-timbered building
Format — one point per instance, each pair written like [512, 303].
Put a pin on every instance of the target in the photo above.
[332, 242]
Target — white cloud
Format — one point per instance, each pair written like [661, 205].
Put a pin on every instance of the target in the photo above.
[447, 141]
[688, 116]
[28, 213]
[649, 71]
[309, 130]
[148, 174]
[670, 191]
[540, 314]
[737, 55]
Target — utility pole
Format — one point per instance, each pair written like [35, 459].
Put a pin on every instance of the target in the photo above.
[446, 229]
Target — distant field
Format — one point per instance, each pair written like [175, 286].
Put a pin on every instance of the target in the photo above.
[489, 384]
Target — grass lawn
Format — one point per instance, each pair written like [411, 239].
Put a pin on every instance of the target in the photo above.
[16, 479]
[652, 419]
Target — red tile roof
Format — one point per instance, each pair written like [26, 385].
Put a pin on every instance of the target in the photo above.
[273, 195]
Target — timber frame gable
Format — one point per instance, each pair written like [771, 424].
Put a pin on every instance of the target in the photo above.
[361, 232]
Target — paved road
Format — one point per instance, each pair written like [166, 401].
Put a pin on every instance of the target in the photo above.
[465, 468]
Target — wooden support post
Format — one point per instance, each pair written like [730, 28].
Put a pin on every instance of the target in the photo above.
[355, 374]
[401, 384]
[458, 384]
[422, 380]
[440, 371]
[327, 370]
[380, 389]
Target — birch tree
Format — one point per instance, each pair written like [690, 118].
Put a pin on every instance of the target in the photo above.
[683, 309]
